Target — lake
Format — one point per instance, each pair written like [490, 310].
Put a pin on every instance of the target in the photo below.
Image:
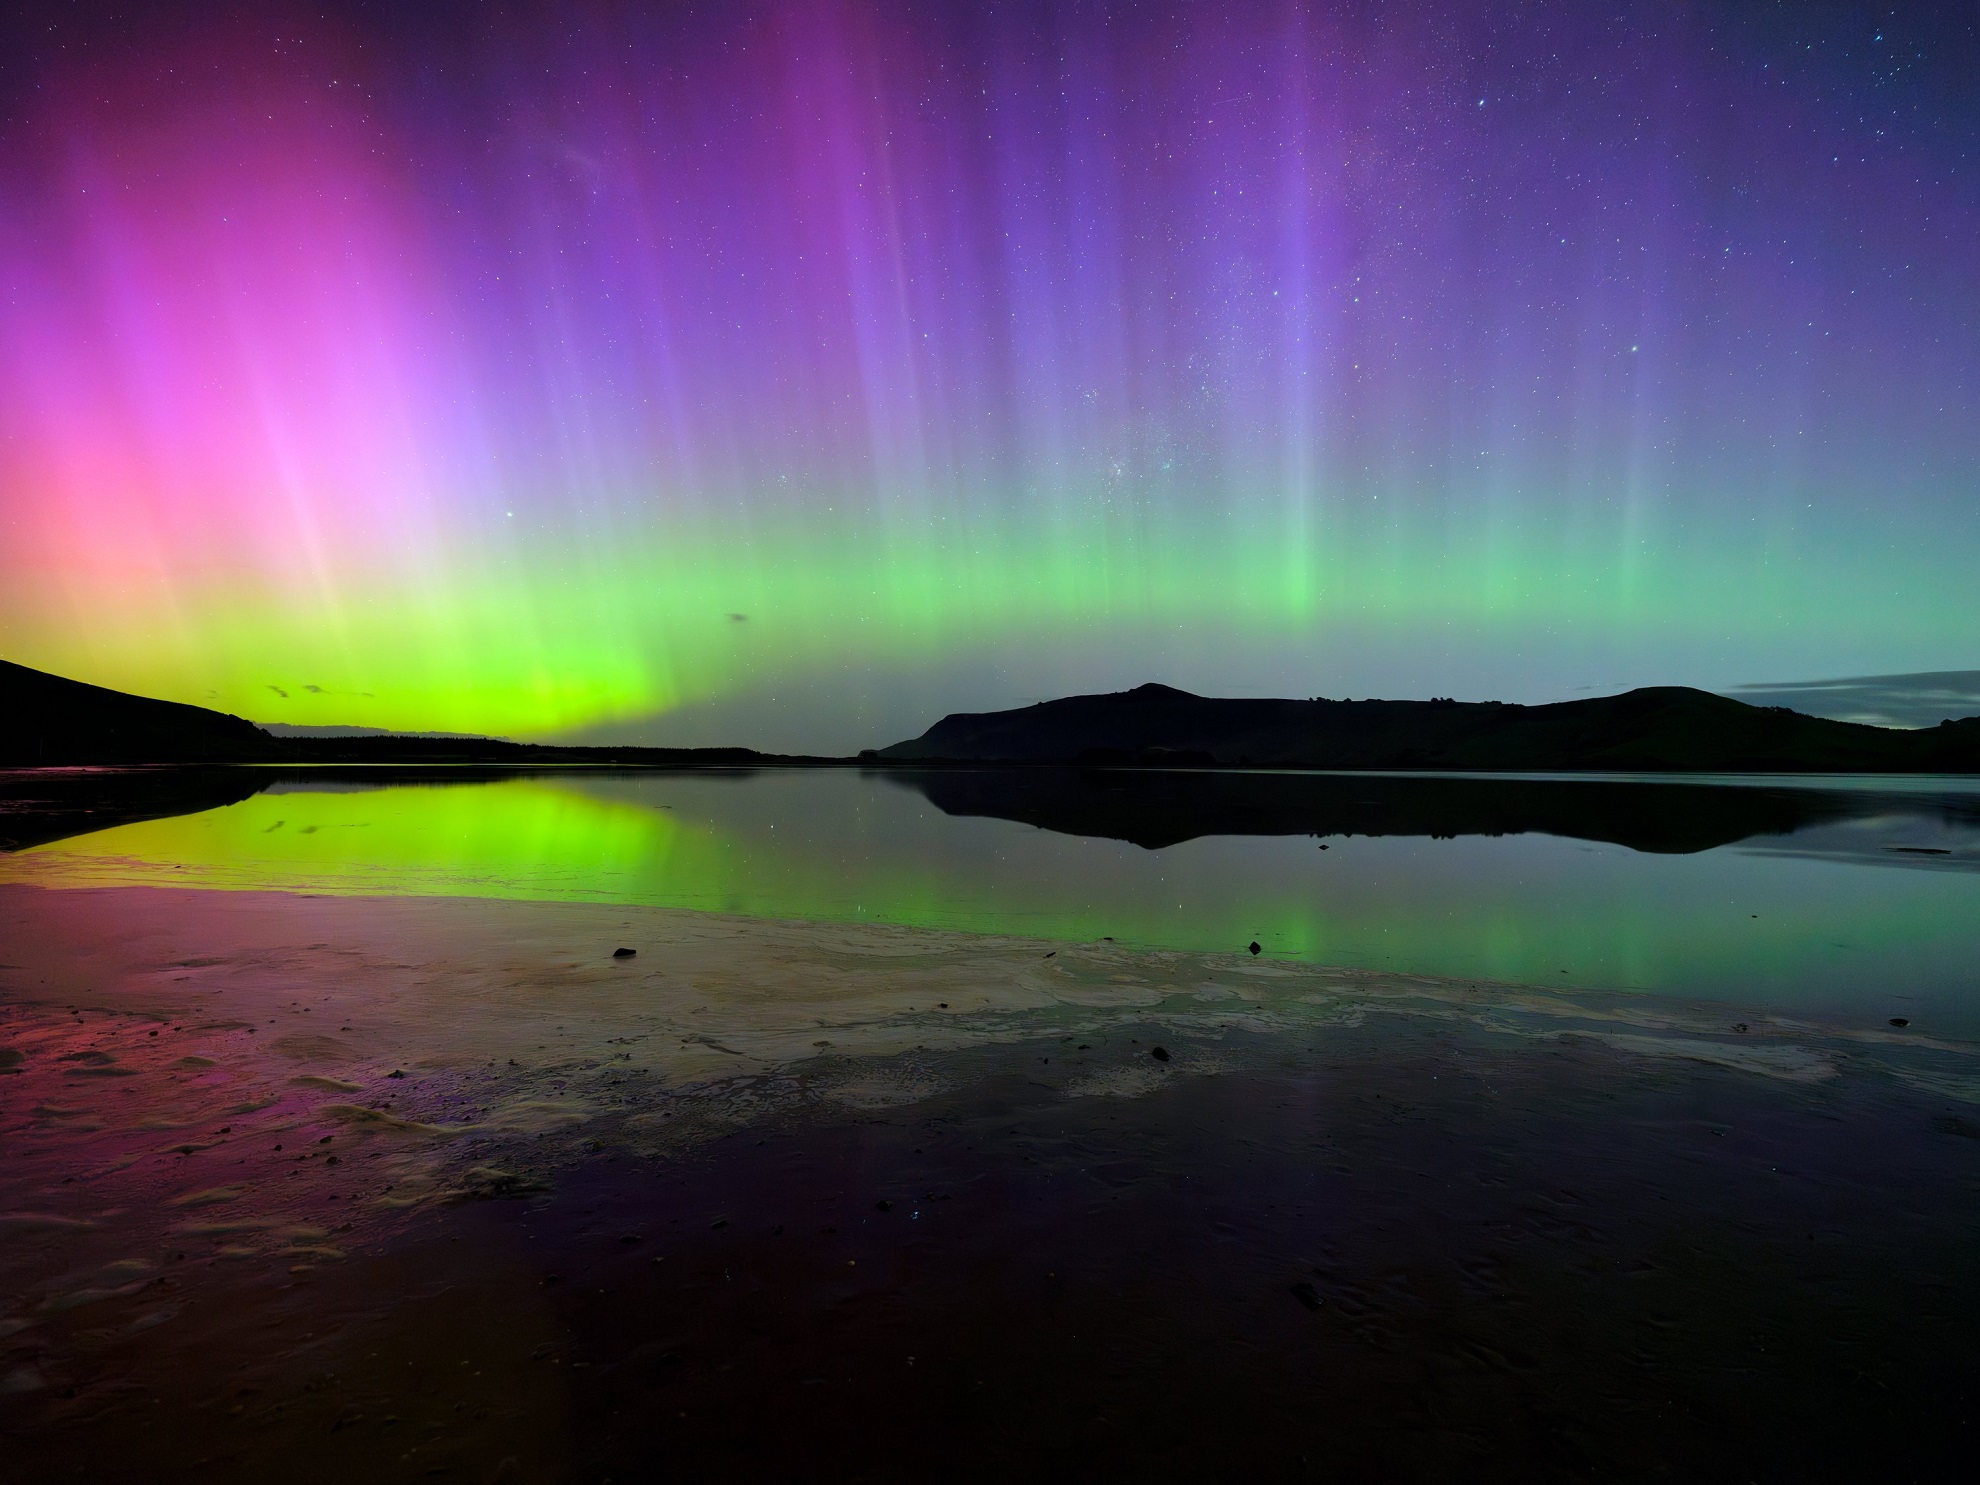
[1840, 897]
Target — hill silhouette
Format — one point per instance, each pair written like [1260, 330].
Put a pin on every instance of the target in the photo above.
[1655, 729]
[50, 721]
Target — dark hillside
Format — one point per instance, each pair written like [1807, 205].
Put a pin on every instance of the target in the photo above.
[1662, 728]
[48, 720]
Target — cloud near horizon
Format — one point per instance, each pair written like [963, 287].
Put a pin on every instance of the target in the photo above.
[1919, 699]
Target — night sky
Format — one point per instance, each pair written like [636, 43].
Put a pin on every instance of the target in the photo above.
[790, 375]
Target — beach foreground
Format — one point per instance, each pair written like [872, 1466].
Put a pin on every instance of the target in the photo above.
[434, 1187]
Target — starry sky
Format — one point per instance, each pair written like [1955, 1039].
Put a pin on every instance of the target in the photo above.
[791, 374]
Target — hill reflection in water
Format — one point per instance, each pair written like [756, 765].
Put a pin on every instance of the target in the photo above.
[1154, 808]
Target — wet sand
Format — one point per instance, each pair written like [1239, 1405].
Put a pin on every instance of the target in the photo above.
[411, 1188]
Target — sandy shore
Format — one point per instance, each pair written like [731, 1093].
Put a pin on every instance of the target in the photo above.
[178, 1036]
[230, 1110]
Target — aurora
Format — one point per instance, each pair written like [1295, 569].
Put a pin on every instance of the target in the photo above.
[588, 374]
[1002, 739]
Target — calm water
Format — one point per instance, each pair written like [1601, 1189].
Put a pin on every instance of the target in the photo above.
[1852, 897]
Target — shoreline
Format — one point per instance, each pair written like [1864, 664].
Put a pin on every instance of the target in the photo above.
[391, 971]
[447, 1026]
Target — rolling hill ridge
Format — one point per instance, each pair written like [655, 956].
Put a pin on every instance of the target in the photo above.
[1656, 729]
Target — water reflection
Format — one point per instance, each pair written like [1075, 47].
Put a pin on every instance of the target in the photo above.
[1157, 809]
[1761, 892]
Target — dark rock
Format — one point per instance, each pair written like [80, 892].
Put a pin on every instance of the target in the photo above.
[883, 1206]
[1306, 1294]
[1900, 1021]
[1739, 1026]
[1254, 946]
[487, 1183]
[624, 953]
[1160, 1054]
[397, 1072]
[630, 1238]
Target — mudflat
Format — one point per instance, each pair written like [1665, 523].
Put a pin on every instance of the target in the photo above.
[406, 1188]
